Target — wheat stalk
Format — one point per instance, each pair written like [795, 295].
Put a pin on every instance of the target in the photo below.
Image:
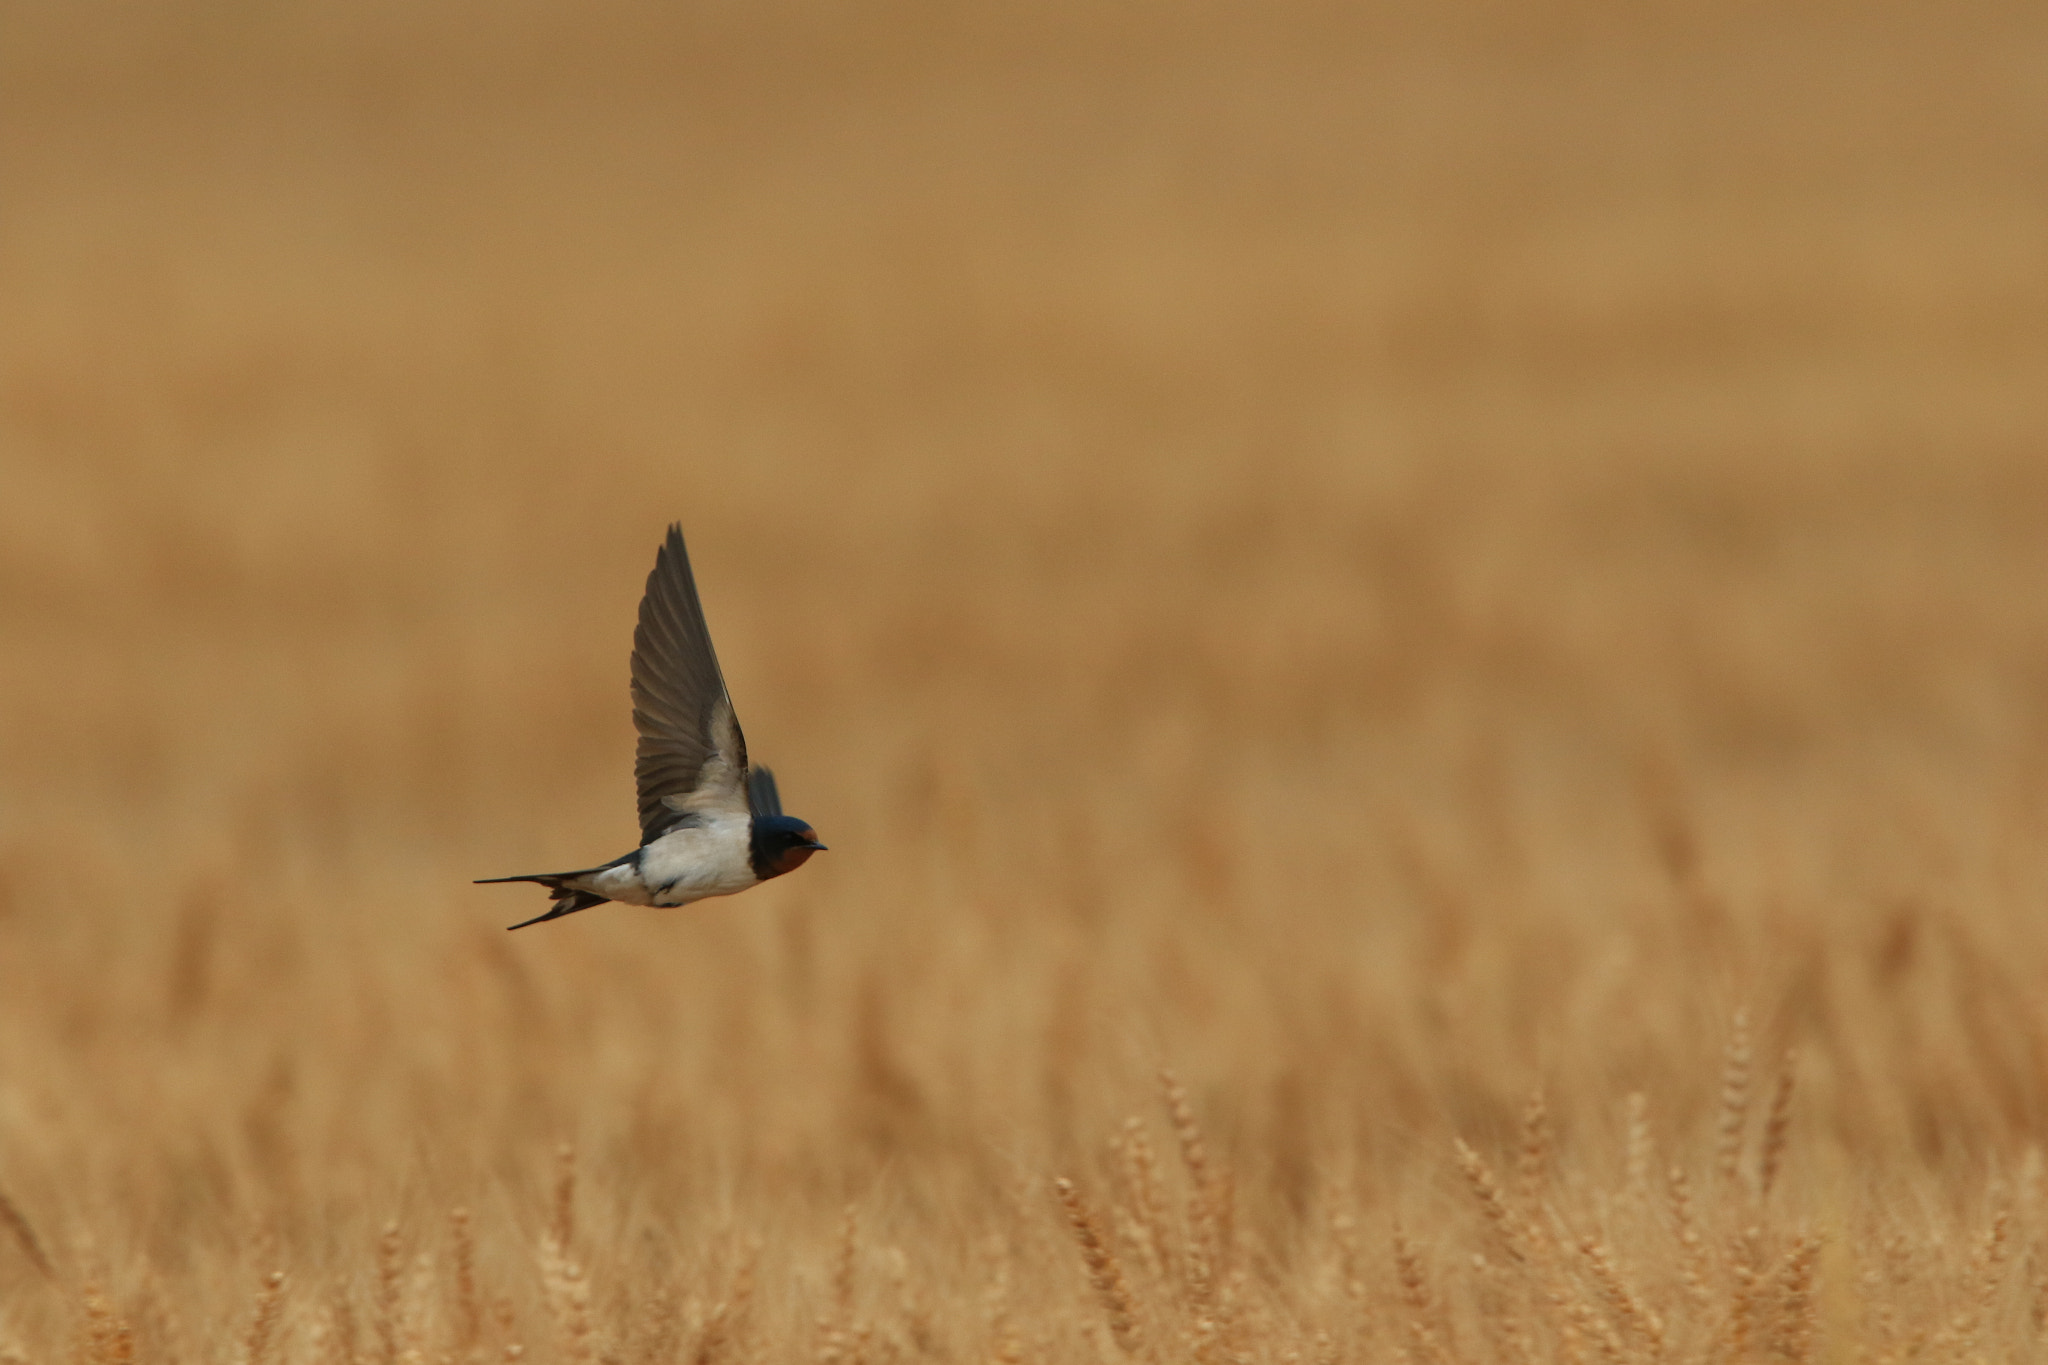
[263, 1320]
[1776, 1127]
[1105, 1275]
[1202, 1257]
[568, 1298]
[1734, 1100]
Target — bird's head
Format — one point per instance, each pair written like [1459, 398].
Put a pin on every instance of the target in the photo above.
[781, 844]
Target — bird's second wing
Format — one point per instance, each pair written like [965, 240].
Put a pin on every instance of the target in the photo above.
[762, 797]
[692, 756]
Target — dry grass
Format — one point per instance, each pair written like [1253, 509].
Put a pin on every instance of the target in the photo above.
[1468, 581]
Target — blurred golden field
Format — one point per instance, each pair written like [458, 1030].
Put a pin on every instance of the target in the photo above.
[1466, 572]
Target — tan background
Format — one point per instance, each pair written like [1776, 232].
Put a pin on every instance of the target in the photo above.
[1382, 558]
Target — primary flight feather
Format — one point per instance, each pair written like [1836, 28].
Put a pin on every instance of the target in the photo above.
[710, 824]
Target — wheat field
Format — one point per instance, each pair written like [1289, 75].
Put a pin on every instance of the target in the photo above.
[1418, 632]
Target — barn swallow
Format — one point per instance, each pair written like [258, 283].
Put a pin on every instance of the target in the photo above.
[710, 824]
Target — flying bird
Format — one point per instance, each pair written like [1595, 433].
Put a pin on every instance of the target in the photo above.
[710, 824]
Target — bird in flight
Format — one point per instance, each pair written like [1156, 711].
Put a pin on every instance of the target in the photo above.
[710, 824]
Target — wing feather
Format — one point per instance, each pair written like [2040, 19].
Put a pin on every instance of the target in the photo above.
[762, 798]
[692, 756]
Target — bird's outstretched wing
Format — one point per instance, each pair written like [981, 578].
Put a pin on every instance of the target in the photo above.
[692, 757]
[762, 798]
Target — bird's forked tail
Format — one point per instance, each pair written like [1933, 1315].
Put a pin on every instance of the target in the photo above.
[568, 900]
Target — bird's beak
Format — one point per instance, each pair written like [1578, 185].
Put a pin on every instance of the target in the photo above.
[814, 846]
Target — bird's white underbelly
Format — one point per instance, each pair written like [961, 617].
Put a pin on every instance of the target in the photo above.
[710, 859]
